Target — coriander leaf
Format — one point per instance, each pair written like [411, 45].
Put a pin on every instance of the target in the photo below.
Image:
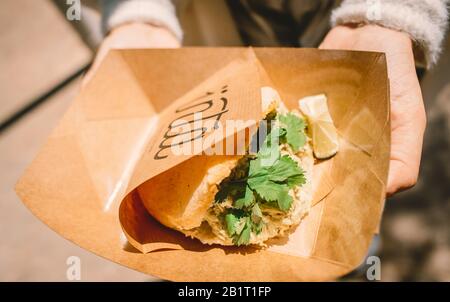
[268, 157]
[282, 132]
[240, 225]
[268, 190]
[295, 130]
[284, 200]
[256, 219]
[284, 169]
[245, 201]
[256, 170]
[276, 192]
[273, 183]
[230, 222]
[296, 180]
[270, 151]
[256, 214]
[244, 237]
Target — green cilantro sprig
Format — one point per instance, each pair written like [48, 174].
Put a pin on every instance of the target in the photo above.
[240, 224]
[273, 183]
[267, 179]
[295, 130]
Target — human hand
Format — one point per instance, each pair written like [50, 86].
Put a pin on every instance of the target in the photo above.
[132, 35]
[407, 110]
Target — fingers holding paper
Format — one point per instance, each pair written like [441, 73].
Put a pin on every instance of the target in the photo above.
[407, 110]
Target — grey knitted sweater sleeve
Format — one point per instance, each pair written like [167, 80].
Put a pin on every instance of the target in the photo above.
[424, 20]
[157, 12]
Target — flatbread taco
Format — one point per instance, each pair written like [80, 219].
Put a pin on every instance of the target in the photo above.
[241, 200]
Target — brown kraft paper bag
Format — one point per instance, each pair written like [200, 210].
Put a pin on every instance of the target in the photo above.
[116, 134]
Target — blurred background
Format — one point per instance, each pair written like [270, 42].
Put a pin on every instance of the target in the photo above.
[42, 58]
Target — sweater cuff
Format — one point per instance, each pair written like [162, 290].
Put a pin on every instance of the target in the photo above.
[155, 12]
[424, 22]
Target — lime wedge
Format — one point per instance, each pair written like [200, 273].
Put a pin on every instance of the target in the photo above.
[323, 132]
